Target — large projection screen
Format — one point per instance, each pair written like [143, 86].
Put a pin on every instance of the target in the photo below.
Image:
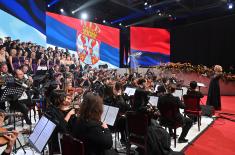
[95, 44]
[149, 46]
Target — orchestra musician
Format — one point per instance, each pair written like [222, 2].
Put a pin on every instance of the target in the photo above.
[192, 90]
[167, 102]
[65, 113]
[10, 137]
[95, 134]
[22, 104]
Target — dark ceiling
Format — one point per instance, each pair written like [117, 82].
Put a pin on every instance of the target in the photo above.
[157, 13]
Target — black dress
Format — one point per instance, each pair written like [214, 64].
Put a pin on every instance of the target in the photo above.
[97, 140]
[213, 98]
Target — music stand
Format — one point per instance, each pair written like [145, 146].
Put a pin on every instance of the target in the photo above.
[41, 133]
[7, 91]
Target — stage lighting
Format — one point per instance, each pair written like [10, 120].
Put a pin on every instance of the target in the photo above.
[145, 3]
[120, 24]
[61, 10]
[48, 5]
[104, 21]
[150, 6]
[73, 12]
[84, 16]
[230, 5]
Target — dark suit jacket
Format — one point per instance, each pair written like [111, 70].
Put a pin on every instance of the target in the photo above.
[195, 93]
[167, 102]
[140, 100]
[96, 139]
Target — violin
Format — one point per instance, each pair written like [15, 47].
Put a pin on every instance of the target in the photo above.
[4, 131]
[72, 90]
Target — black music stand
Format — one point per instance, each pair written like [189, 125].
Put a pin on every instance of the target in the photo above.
[17, 92]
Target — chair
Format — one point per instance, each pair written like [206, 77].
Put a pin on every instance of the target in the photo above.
[168, 118]
[192, 107]
[137, 126]
[71, 146]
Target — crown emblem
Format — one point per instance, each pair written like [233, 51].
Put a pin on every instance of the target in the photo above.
[90, 29]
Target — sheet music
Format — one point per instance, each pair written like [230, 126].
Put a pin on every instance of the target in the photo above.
[41, 133]
[105, 110]
[44, 136]
[132, 91]
[111, 115]
[38, 129]
[153, 100]
[201, 84]
[127, 90]
[178, 93]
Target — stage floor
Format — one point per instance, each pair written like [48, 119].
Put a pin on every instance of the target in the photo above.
[194, 135]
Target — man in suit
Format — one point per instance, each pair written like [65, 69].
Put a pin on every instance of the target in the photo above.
[168, 101]
[192, 90]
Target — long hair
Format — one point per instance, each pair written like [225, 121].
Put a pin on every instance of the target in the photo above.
[91, 107]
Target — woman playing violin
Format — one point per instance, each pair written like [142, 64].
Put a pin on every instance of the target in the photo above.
[8, 138]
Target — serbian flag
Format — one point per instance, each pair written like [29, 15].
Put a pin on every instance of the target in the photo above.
[94, 43]
[149, 46]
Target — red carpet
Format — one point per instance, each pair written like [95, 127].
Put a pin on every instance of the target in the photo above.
[219, 139]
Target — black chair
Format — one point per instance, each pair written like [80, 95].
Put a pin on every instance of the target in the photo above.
[71, 146]
[168, 118]
[192, 108]
[137, 126]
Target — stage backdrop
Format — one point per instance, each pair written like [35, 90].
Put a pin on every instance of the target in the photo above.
[149, 46]
[96, 44]
[23, 20]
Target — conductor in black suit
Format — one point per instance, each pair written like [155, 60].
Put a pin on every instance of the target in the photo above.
[168, 101]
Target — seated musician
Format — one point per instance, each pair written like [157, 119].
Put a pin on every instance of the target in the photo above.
[65, 113]
[192, 90]
[11, 137]
[194, 93]
[141, 96]
[169, 100]
[22, 104]
[89, 128]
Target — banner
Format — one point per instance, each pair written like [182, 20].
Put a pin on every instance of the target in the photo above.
[149, 46]
[95, 43]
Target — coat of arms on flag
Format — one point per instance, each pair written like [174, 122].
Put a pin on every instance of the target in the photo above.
[88, 46]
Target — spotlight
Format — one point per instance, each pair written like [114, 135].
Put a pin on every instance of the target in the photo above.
[48, 5]
[84, 16]
[150, 6]
[145, 3]
[104, 21]
[170, 15]
[73, 12]
[230, 5]
[120, 24]
[61, 10]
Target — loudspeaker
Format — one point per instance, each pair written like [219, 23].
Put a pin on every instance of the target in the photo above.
[208, 110]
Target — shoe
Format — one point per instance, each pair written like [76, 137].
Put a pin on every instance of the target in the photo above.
[123, 142]
[182, 140]
[172, 135]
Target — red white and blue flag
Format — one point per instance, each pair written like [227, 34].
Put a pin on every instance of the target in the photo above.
[92, 41]
[149, 46]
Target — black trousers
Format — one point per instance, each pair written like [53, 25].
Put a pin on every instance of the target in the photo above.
[186, 126]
